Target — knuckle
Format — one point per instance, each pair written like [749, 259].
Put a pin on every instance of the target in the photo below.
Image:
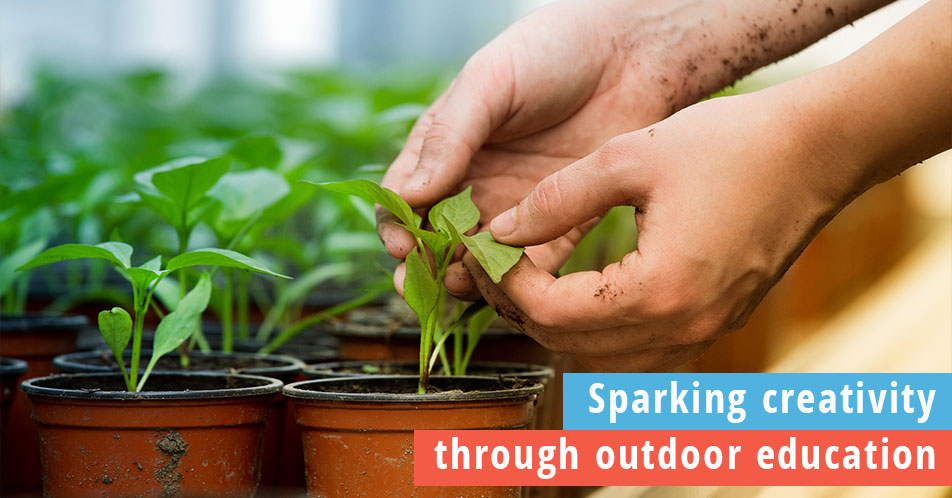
[546, 197]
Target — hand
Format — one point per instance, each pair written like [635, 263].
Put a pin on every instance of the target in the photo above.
[545, 93]
[726, 200]
[728, 192]
[561, 82]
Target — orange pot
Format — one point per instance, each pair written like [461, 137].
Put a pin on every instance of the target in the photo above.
[193, 434]
[361, 443]
[35, 338]
[277, 470]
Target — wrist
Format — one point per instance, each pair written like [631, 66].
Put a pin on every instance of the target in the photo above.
[693, 49]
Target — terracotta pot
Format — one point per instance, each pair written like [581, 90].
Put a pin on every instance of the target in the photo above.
[192, 434]
[35, 338]
[11, 369]
[361, 443]
[288, 470]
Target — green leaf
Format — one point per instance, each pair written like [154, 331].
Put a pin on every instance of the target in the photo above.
[420, 288]
[370, 191]
[261, 150]
[115, 252]
[159, 204]
[154, 264]
[243, 194]
[179, 325]
[144, 275]
[437, 242]
[494, 257]
[184, 183]
[458, 211]
[21, 256]
[115, 325]
[298, 290]
[219, 257]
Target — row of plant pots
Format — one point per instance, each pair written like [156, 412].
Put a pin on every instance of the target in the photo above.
[167, 441]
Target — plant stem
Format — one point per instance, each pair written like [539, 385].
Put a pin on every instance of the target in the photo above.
[139, 311]
[243, 332]
[226, 297]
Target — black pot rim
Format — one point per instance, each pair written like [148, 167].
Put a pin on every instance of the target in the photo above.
[41, 322]
[34, 387]
[532, 370]
[67, 362]
[12, 366]
[298, 390]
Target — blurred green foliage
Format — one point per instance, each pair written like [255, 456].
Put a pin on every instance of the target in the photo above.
[70, 152]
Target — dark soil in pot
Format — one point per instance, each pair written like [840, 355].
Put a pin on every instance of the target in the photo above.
[328, 370]
[359, 426]
[35, 338]
[189, 434]
[283, 368]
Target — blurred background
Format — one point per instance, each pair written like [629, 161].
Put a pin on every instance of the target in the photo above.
[94, 91]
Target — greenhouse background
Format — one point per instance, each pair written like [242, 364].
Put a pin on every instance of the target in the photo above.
[93, 92]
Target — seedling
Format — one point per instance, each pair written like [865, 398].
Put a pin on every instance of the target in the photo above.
[117, 327]
[427, 263]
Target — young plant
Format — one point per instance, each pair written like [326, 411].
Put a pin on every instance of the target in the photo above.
[116, 325]
[427, 262]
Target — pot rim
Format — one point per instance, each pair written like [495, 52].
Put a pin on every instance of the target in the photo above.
[363, 330]
[12, 366]
[67, 362]
[268, 386]
[297, 390]
[532, 370]
[41, 322]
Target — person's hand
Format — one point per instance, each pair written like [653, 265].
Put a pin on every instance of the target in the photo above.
[561, 82]
[545, 93]
[728, 192]
[726, 199]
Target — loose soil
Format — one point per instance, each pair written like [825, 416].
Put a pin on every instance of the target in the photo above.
[156, 383]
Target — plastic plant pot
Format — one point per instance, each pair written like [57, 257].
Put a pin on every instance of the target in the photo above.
[282, 436]
[11, 369]
[35, 338]
[358, 431]
[187, 434]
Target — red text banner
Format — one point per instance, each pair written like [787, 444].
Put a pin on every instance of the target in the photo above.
[659, 458]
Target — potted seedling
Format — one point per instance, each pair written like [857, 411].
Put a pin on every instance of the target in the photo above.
[146, 438]
[352, 425]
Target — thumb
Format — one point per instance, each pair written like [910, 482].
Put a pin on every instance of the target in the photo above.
[581, 191]
[475, 104]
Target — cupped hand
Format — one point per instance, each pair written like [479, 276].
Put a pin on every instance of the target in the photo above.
[728, 192]
[548, 91]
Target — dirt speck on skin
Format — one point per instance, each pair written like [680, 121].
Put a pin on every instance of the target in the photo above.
[172, 445]
[829, 11]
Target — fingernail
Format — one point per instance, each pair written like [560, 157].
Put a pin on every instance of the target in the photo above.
[417, 181]
[505, 223]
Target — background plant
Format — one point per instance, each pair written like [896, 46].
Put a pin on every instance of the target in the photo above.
[116, 325]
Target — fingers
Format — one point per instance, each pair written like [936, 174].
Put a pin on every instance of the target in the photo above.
[538, 302]
[572, 196]
[396, 240]
[478, 100]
